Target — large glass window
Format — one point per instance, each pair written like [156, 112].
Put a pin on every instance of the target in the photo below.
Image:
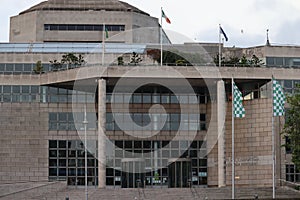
[66, 121]
[82, 27]
[292, 173]
[66, 162]
[168, 122]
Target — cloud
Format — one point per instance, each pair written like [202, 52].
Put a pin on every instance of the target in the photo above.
[237, 37]
[287, 33]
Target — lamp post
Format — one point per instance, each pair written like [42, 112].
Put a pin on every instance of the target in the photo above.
[85, 122]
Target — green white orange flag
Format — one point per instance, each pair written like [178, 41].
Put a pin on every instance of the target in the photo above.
[165, 16]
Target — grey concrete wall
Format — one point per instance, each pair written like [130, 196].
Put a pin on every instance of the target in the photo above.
[24, 129]
[253, 144]
[24, 140]
[23, 29]
[29, 27]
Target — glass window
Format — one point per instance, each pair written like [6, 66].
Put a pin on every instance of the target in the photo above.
[146, 98]
[9, 67]
[28, 67]
[2, 67]
[165, 98]
[16, 89]
[89, 27]
[98, 28]
[108, 98]
[279, 61]
[6, 89]
[52, 90]
[62, 153]
[175, 117]
[155, 98]
[53, 172]
[184, 99]
[18, 67]
[137, 98]
[52, 153]
[53, 116]
[128, 144]
[62, 144]
[118, 98]
[63, 27]
[288, 84]
[34, 89]
[203, 117]
[71, 27]
[270, 61]
[174, 99]
[80, 27]
[202, 99]
[25, 89]
[52, 144]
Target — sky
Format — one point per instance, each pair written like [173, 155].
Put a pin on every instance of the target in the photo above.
[244, 21]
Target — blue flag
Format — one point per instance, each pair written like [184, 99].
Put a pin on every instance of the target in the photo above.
[223, 32]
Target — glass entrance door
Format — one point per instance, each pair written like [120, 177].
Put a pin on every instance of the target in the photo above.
[132, 173]
[180, 173]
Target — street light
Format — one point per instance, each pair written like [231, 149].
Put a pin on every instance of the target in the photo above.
[85, 122]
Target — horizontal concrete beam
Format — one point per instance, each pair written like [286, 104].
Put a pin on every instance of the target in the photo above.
[189, 72]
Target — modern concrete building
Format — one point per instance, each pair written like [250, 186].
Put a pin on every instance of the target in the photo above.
[146, 125]
[83, 21]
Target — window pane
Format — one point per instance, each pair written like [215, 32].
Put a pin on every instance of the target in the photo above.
[146, 98]
[6, 89]
[25, 89]
[62, 144]
[52, 144]
[52, 172]
[16, 89]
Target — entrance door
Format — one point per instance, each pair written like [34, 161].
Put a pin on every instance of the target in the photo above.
[132, 173]
[180, 173]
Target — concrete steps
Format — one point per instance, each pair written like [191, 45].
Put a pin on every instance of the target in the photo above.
[169, 194]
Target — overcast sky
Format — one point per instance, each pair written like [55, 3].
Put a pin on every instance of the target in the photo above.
[244, 21]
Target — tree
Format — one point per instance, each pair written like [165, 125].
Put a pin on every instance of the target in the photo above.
[292, 126]
[154, 54]
[120, 60]
[255, 61]
[70, 59]
[39, 69]
[135, 59]
[244, 61]
[81, 60]
[55, 65]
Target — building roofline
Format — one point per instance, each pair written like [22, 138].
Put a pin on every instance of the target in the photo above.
[115, 6]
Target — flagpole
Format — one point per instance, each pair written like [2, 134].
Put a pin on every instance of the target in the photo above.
[161, 39]
[103, 43]
[85, 154]
[273, 145]
[220, 51]
[232, 143]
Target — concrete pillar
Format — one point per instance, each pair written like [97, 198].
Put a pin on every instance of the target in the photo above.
[101, 133]
[221, 112]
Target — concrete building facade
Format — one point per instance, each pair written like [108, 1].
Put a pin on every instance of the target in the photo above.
[59, 21]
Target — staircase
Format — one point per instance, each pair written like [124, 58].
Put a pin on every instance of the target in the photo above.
[169, 194]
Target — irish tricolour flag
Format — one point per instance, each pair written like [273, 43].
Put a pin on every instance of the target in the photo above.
[165, 16]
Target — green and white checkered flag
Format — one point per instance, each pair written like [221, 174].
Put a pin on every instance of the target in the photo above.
[278, 99]
[239, 110]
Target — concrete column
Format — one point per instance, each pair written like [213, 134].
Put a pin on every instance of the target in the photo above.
[221, 106]
[101, 133]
